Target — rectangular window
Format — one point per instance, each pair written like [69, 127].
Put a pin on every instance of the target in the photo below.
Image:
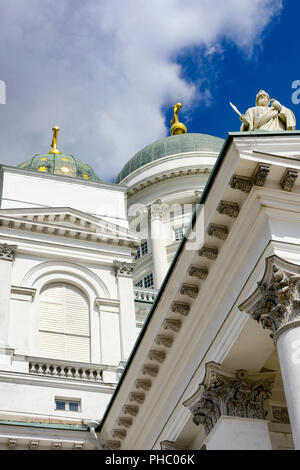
[148, 280]
[179, 233]
[143, 250]
[139, 284]
[67, 405]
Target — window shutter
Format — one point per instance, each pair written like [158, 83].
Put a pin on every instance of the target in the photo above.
[64, 323]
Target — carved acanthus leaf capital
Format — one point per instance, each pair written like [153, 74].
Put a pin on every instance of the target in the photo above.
[7, 252]
[229, 393]
[276, 301]
[124, 269]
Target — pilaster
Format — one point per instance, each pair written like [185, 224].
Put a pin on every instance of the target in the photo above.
[123, 272]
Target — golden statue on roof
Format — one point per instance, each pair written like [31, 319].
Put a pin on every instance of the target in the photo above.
[55, 130]
[177, 127]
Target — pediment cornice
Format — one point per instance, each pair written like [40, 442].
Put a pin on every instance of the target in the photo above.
[69, 223]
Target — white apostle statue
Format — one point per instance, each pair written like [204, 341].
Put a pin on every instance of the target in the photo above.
[265, 117]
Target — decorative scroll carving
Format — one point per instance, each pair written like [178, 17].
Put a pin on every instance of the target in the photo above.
[138, 397]
[243, 183]
[119, 433]
[158, 356]
[12, 444]
[150, 370]
[229, 208]
[288, 180]
[143, 384]
[230, 393]
[210, 252]
[34, 444]
[124, 421]
[198, 271]
[180, 307]
[260, 174]
[123, 268]
[280, 414]
[112, 445]
[170, 324]
[276, 301]
[131, 410]
[189, 290]
[168, 445]
[78, 446]
[7, 252]
[218, 231]
[56, 445]
[164, 340]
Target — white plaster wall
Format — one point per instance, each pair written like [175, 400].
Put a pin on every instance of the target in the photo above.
[21, 188]
[38, 400]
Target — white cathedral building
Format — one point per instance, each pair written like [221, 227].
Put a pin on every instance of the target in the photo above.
[134, 318]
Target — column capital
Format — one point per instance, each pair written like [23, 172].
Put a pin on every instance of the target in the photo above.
[157, 209]
[121, 268]
[275, 304]
[227, 392]
[7, 252]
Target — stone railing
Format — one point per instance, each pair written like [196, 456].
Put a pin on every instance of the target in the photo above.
[145, 295]
[68, 369]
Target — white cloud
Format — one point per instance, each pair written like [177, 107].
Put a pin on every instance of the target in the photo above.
[102, 70]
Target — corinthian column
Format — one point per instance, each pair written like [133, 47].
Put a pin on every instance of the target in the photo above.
[123, 273]
[230, 406]
[276, 306]
[7, 255]
[159, 254]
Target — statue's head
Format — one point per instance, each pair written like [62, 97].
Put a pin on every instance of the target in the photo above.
[262, 98]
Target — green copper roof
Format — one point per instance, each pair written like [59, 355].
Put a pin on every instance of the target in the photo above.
[58, 164]
[170, 146]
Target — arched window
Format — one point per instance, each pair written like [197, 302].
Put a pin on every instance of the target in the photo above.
[64, 331]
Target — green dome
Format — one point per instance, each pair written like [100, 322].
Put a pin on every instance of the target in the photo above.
[172, 145]
[58, 164]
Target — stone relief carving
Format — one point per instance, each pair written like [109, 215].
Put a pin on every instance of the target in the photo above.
[218, 231]
[276, 302]
[189, 290]
[171, 324]
[138, 397]
[7, 252]
[164, 340]
[119, 433]
[243, 183]
[230, 393]
[210, 252]
[280, 414]
[123, 268]
[143, 384]
[168, 445]
[158, 356]
[229, 208]
[150, 370]
[131, 410]
[260, 174]
[288, 180]
[124, 421]
[198, 271]
[112, 445]
[180, 307]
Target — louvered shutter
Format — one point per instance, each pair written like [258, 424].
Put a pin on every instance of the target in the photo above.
[64, 323]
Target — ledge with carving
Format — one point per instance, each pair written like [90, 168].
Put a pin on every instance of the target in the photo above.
[227, 392]
[275, 304]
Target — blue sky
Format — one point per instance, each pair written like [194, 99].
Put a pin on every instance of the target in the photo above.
[108, 72]
[232, 76]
